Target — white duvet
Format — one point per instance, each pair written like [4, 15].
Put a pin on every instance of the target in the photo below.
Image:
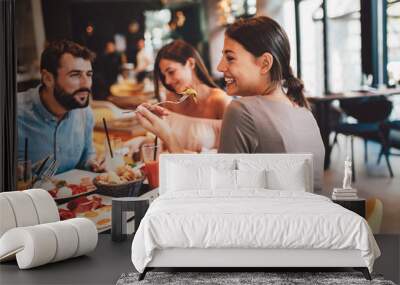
[253, 218]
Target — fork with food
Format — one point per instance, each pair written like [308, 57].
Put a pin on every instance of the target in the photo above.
[187, 93]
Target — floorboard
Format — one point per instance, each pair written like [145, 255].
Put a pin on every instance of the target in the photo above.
[102, 266]
[110, 260]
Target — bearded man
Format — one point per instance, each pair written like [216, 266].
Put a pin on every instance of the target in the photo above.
[55, 116]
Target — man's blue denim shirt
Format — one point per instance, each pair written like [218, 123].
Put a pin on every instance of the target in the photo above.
[68, 140]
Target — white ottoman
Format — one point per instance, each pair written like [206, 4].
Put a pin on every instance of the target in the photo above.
[40, 244]
[31, 231]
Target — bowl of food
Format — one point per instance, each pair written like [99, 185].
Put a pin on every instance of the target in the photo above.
[124, 182]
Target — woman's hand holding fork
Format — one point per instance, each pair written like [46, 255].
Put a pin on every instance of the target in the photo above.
[150, 117]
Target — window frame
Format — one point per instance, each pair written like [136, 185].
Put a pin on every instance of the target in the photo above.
[8, 89]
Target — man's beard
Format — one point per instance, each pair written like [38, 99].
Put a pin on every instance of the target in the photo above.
[67, 100]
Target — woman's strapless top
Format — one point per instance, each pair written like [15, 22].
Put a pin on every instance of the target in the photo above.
[195, 134]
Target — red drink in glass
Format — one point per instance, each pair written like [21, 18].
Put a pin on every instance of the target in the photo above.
[151, 168]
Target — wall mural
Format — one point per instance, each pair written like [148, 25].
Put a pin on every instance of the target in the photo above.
[76, 136]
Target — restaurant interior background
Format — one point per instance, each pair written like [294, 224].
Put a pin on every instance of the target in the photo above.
[337, 46]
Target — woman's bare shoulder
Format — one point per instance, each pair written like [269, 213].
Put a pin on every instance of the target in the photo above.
[218, 100]
[219, 96]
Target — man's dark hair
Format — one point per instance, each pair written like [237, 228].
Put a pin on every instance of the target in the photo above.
[50, 59]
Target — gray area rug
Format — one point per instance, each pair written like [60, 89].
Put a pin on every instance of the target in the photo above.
[229, 278]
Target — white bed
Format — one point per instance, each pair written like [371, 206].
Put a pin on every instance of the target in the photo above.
[200, 223]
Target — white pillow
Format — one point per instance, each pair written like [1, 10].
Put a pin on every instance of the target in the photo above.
[187, 177]
[223, 179]
[292, 178]
[251, 178]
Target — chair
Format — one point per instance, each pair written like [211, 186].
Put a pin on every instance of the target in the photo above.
[371, 114]
[393, 141]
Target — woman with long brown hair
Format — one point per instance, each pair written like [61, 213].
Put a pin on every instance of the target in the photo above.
[179, 66]
[197, 123]
[273, 115]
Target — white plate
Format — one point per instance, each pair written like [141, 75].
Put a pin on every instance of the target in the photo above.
[73, 176]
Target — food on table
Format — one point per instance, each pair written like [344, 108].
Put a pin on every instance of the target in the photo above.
[80, 205]
[84, 204]
[105, 208]
[122, 174]
[64, 192]
[97, 202]
[91, 214]
[96, 208]
[66, 214]
[103, 222]
[86, 182]
[61, 189]
[191, 92]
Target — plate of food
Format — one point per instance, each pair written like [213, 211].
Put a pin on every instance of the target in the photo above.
[94, 207]
[125, 181]
[126, 89]
[70, 184]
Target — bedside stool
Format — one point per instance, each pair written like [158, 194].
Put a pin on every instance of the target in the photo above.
[357, 205]
[122, 205]
[118, 217]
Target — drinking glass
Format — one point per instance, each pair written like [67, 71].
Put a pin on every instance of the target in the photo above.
[24, 174]
[117, 160]
[150, 154]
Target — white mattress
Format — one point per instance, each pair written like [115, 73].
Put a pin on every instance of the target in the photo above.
[252, 218]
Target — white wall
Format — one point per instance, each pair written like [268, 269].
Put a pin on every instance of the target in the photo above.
[215, 36]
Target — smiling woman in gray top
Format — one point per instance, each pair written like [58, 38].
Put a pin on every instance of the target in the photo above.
[257, 125]
[273, 116]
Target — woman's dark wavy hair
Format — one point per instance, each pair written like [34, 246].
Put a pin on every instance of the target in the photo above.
[180, 51]
[262, 34]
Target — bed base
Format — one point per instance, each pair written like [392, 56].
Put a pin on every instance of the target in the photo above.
[364, 270]
[238, 259]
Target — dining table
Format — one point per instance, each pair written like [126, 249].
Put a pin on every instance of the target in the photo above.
[322, 108]
[127, 95]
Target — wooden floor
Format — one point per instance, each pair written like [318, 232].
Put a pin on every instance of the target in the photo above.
[106, 264]
[110, 260]
[372, 181]
[102, 266]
